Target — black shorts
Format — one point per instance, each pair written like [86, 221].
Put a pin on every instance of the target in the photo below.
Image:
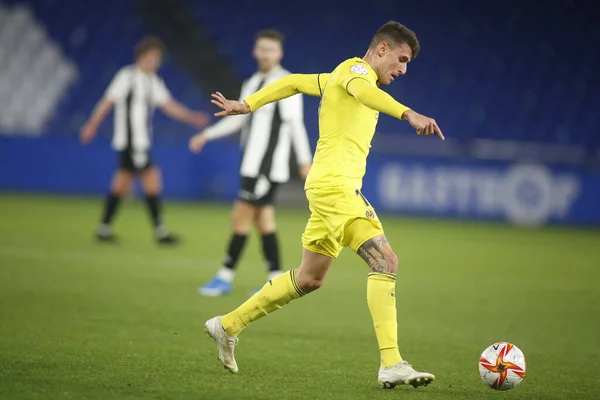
[258, 191]
[135, 161]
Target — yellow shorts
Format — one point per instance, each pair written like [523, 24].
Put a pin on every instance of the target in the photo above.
[339, 218]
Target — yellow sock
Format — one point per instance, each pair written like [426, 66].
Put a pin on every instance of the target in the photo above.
[275, 294]
[381, 298]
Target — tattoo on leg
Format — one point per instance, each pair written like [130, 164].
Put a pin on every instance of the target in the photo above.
[371, 252]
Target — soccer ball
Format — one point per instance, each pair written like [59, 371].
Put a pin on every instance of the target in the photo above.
[502, 366]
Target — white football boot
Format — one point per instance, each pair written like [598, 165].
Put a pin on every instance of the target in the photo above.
[403, 374]
[225, 344]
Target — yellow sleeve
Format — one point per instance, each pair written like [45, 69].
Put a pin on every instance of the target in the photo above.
[322, 79]
[375, 98]
[310, 84]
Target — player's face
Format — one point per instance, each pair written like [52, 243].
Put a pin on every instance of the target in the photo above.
[150, 61]
[268, 53]
[393, 62]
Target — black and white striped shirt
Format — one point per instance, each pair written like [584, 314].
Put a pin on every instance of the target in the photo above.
[269, 133]
[135, 94]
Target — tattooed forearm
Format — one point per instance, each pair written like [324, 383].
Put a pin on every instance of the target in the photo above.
[378, 259]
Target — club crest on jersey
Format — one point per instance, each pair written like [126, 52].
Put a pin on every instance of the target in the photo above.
[370, 214]
[359, 69]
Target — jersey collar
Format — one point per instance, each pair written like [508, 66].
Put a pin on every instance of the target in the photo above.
[369, 68]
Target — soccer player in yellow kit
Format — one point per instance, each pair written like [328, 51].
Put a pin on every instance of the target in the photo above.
[340, 215]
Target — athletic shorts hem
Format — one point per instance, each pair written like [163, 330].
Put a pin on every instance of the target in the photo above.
[258, 203]
[255, 203]
[247, 192]
[128, 163]
[366, 239]
[320, 251]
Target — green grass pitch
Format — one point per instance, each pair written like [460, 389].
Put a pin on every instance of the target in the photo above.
[79, 320]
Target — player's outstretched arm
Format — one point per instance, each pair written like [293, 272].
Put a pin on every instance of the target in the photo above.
[179, 112]
[225, 127]
[117, 90]
[88, 130]
[310, 84]
[379, 100]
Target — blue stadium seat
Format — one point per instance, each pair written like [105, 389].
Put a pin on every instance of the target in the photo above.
[487, 69]
[99, 38]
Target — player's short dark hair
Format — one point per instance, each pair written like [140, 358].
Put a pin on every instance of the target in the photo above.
[147, 44]
[394, 34]
[269, 34]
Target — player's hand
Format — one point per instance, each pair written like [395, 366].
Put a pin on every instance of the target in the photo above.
[424, 125]
[304, 169]
[229, 107]
[199, 119]
[197, 142]
[87, 133]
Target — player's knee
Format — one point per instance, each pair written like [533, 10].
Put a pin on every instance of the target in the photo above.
[392, 260]
[157, 187]
[152, 182]
[120, 186]
[240, 227]
[152, 190]
[266, 229]
[265, 223]
[118, 191]
[387, 262]
[240, 222]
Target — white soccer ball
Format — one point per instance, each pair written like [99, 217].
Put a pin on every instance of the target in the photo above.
[502, 366]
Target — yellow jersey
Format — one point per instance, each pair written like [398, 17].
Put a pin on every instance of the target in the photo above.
[346, 128]
[346, 125]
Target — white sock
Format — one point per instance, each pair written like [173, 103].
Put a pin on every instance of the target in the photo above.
[226, 274]
[104, 230]
[274, 274]
[161, 231]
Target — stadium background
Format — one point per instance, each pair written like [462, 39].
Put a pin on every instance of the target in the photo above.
[514, 86]
[517, 100]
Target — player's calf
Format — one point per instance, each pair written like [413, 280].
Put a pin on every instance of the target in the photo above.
[381, 296]
[313, 269]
